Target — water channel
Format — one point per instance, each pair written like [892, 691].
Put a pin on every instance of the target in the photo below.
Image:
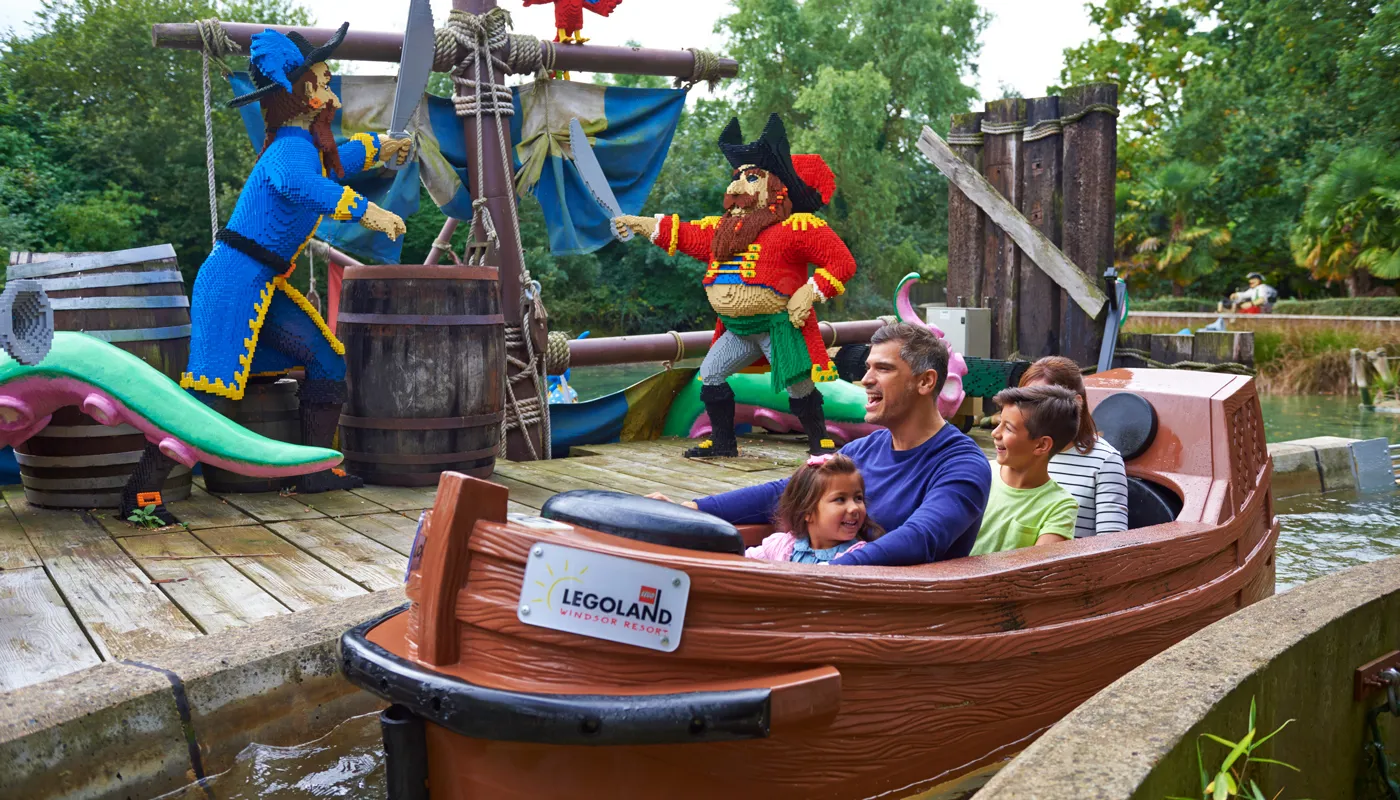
[1321, 534]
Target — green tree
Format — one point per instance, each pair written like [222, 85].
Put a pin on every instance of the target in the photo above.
[88, 105]
[1350, 228]
[1160, 229]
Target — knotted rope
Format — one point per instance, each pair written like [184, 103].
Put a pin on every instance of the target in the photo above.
[706, 70]
[556, 355]
[215, 47]
[466, 47]
[1040, 130]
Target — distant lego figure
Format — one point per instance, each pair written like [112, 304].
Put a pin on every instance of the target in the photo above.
[1259, 298]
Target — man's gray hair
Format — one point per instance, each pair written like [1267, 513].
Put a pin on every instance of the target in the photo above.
[919, 348]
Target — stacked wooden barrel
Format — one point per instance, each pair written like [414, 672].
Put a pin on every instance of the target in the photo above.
[424, 350]
[136, 300]
[269, 407]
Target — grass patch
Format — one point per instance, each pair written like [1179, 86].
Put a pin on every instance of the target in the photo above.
[1327, 307]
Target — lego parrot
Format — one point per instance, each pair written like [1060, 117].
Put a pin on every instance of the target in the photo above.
[568, 16]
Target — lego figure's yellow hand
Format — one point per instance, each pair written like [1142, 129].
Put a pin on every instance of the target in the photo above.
[387, 222]
[394, 151]
[642, 226]
[800, 304]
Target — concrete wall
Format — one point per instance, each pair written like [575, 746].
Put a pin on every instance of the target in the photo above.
[122, 730]
[1330, 464]
[1294, 653]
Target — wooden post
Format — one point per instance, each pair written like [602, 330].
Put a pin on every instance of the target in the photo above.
[1172, 348]
[1223, 347]
[1090, 174]
[499, 191]
[1038, 313]
[965, 219]
[1001, 164]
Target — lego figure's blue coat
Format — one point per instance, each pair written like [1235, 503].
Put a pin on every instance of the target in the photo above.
[246, 319]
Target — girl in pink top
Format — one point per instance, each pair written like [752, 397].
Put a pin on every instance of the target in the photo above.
[822, 514]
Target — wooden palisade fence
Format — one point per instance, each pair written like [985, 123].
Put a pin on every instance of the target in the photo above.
[1055, 160]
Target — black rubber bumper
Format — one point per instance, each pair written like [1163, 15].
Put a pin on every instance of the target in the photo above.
[479, 712]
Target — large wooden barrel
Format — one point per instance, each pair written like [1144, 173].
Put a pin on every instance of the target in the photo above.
[136, 300]
[425, 354]
[269, 407]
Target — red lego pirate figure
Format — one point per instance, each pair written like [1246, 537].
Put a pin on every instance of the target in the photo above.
[758, 254]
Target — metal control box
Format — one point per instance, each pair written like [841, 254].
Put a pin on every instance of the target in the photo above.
[969, 330]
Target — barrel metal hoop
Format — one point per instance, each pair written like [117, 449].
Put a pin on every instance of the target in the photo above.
[141, 334]
[424, 424]
[371, 272]
[108, 279]
[50, 500]
[415, 458]
[86, 431]
[68, 484]
[91, 261]
[136, 301]
[457, 320]
[98, 460]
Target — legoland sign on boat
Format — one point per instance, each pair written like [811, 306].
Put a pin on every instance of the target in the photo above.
[605, 597]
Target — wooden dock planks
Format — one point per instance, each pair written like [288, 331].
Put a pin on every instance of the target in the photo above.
[121, 611]
[207, 588]
[39, 638]
[340, 504]
[394, 531]
[296, 579]
[271, 507]
[399, 498]
[358, 557]
[15, 550]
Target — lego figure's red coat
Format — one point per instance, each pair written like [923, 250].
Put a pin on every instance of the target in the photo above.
[778, 260]
[568, 14]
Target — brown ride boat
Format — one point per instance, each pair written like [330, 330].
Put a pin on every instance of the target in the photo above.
[721, 676]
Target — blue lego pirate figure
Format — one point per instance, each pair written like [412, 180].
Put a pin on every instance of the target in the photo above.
[247, 319]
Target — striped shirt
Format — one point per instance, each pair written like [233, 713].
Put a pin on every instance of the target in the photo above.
[1098, 483]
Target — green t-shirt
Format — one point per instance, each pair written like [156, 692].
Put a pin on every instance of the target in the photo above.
[1015, 518]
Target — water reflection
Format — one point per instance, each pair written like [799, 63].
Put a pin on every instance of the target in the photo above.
[1326, 533]
[347, 762]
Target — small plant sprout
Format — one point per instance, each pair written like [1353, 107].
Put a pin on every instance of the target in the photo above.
[1232, 778]
[145, 518]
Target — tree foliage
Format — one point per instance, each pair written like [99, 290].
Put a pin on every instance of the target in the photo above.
[101, 135]
[1263, 95]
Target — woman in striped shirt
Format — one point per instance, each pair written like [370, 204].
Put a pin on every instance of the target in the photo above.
[1090, 469]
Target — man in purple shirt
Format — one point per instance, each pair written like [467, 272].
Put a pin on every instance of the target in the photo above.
[926, 482]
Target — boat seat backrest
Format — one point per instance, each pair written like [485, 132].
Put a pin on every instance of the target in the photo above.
[644, 520]
[1128, 421]
[1150, 504]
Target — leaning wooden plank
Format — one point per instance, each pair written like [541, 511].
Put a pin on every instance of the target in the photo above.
[271, 507]
[116, 604]
[393, 530]
[214, 594]
[1031, 241]
[39, 639]
[293, 577]
[399, 498]
[352, 554]
[15, 550]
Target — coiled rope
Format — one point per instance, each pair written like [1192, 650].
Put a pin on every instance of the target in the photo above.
[705, 70]
[216, 46]
[1040, 130]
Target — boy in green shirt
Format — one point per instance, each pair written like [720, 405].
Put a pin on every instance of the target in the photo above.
[1025, 506]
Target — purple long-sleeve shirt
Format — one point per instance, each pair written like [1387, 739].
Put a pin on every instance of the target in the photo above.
[929, 498]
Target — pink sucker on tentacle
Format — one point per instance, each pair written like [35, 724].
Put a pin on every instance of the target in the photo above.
[15, 414]
[177, 450]
[951, 398]
[101, 408]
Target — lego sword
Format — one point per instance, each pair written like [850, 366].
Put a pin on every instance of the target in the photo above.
[415, 66]
[593, 177]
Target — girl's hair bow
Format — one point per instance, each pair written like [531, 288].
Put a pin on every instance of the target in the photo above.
[817, 461]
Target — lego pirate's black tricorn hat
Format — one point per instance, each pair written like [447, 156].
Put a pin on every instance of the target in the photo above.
[808, 179]
[277, 60]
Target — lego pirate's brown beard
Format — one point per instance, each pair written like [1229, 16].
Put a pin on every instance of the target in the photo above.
[736, 232]
[280, 108]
